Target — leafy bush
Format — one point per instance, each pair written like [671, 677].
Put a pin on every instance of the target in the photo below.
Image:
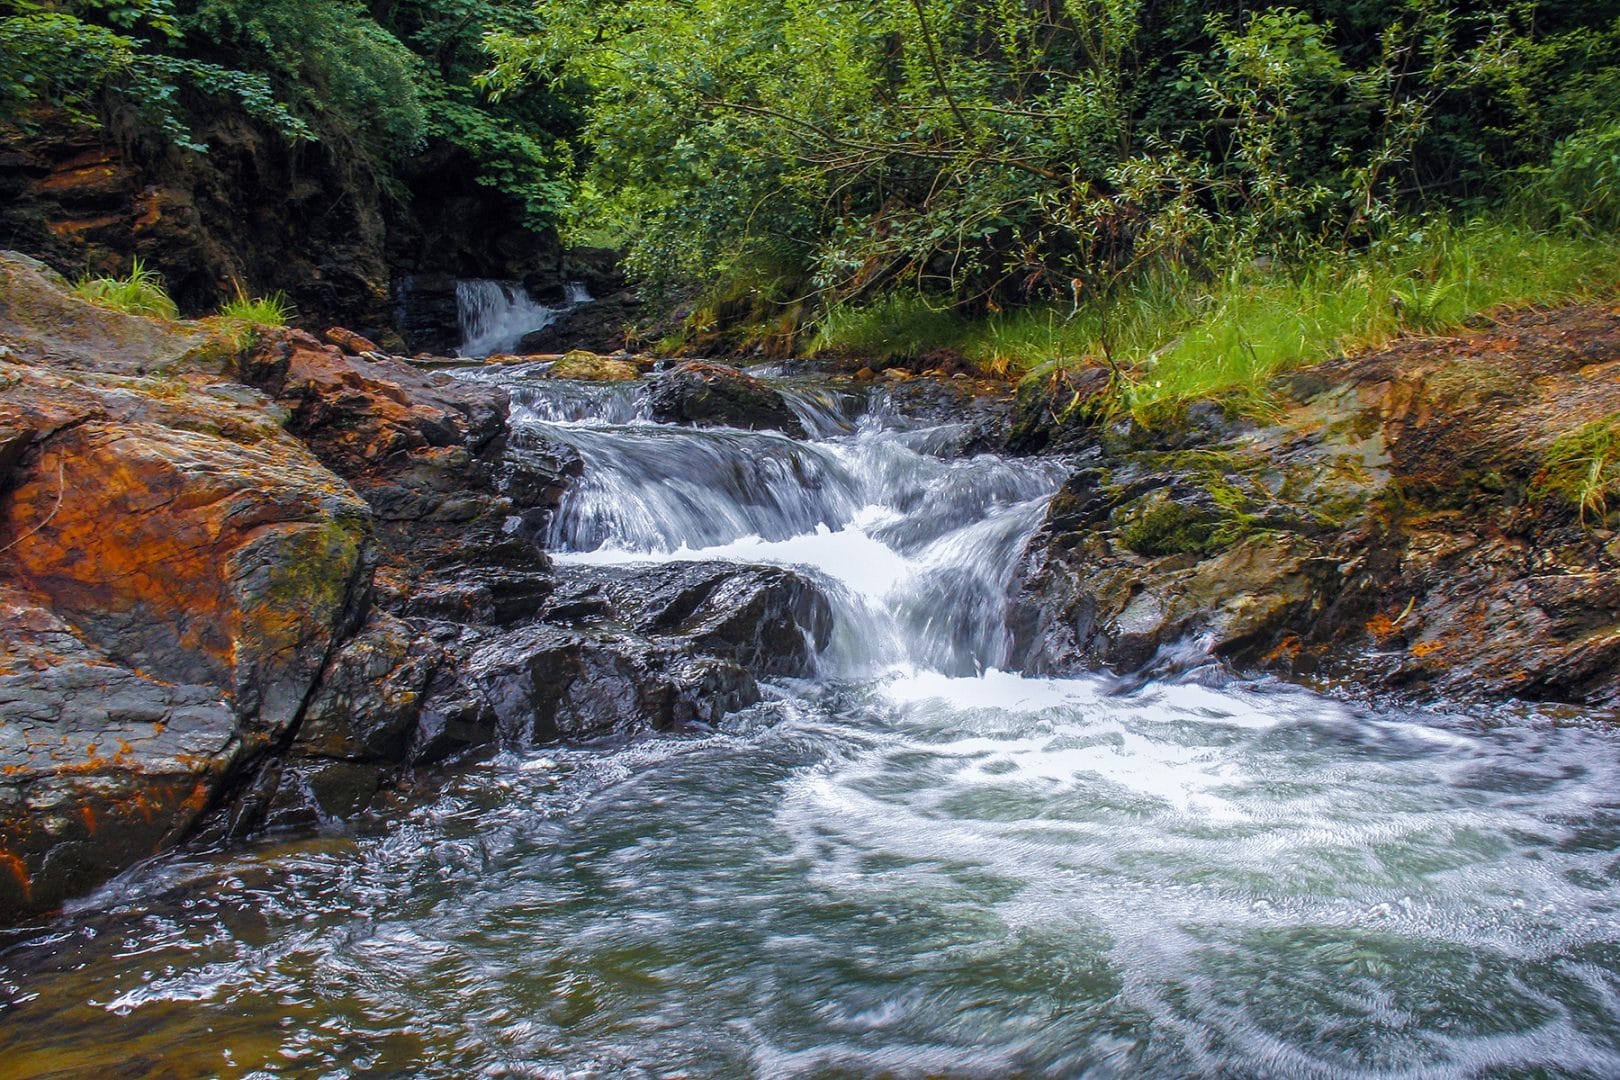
[140, 292]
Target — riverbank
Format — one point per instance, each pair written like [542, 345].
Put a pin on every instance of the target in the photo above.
[254, 590]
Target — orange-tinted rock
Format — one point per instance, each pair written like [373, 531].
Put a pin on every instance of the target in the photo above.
[349, 341]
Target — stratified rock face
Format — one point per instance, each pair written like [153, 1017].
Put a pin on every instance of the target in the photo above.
[178, 570]
[1385, 530]
[704, 394]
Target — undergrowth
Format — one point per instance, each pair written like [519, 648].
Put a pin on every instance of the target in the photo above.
[1174, 339]
[140, 292]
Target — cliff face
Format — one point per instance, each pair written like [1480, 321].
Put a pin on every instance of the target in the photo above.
[304, 220]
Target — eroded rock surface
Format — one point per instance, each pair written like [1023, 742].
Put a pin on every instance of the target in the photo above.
[1387, 529]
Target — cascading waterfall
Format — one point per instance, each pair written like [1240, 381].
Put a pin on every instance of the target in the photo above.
[915, 864]
[495, 315]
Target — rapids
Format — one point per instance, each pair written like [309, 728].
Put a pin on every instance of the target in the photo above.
[914, 864]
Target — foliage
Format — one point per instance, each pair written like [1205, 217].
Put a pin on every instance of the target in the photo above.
[1583, 468]
[140, 292]
[1176, 339]
[986, 154]
[59, 59]
[378, 83]
[1580, 186]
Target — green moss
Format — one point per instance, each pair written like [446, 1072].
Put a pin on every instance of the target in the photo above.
[1582, 468]
[1172, 528]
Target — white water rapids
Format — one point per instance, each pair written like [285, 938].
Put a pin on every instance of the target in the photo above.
[913, 865]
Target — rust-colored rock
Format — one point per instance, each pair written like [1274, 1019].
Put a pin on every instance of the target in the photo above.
[349, 341]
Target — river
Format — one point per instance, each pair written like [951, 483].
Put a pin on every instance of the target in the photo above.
[913, 864]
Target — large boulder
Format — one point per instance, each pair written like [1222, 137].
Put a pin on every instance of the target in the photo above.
[178, 572]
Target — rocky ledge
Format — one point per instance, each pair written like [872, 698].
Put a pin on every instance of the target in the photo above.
[1406, 521]
[249, 586]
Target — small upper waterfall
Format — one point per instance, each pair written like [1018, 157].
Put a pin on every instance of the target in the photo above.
[495, 315]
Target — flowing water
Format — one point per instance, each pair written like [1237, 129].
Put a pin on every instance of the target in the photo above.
[914, 864]
[495, 315]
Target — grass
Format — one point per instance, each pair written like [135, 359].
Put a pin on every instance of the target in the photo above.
[247, 315]
[1583, 469]
[140, 292]
[272, 310]
[1177, 340]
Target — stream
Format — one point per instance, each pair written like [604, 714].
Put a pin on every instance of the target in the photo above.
[914, 864]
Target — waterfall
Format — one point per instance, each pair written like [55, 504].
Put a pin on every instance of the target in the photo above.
[915, 547]
[495, 315]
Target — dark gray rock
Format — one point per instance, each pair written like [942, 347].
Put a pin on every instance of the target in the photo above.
[703, 394]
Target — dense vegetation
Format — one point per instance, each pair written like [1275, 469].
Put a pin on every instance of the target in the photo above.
[378, 82]
[1193, 194]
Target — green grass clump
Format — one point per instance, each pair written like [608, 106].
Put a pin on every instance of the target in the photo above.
[1176, 339]
[1583, 468]
[898, 325]
[140, 292]
[272, 310]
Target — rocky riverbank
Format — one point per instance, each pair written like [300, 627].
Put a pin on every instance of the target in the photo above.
[254, 585]
[1397, 525]
[250, 586]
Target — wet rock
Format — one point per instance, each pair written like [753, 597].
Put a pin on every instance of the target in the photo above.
[770, 620]
[704, 394]
[547, 683]
[1386, 530]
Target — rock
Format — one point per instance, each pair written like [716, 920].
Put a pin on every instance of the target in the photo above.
[349, 341]
[770, 620]
[598, 326]
[700, 393]
[661, 648]
[103, 765]
[1386, 529]
[44, 323]
[594, 368]
[1053, 413]
[545, 683]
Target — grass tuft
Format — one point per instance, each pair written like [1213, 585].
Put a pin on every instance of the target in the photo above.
[1583, 469]
[140, 292]
[272, 310]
